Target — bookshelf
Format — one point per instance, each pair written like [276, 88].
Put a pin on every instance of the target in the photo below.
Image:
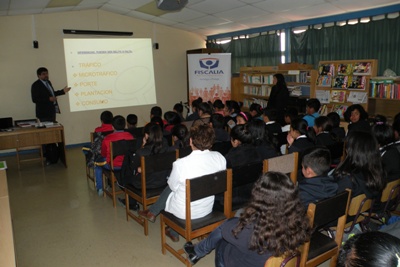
[256, 82]
[384, 96]
[342, 83]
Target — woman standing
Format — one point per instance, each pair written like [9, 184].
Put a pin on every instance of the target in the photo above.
[279, 97]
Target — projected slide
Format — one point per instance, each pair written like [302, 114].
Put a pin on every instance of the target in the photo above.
[109, 73]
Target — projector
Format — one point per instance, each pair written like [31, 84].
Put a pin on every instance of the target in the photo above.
[171, 5]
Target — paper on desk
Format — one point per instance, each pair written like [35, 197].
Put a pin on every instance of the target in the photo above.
[3, 165]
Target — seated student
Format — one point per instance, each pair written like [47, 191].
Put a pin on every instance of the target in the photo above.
[218, 107]
[389, 150]
[232, 108]
[323, 128]
[195, 114]
[106, 118]
[119, 134]
[243, 118]
[273, 224]
[299, 137]
[289, 115]
[131, 121]
[204, 110]
[153, 143]
[256, 111]
[156, 111]
[317, 185]
[312, 107]
[178, 108]
[242, 151]
[370, 249]
[172, 119]
[272, 127]
[361, 171]
[357, 117]
[200, 162]
[260, 140]
[217, 122]
[338, 131]
[180, 136]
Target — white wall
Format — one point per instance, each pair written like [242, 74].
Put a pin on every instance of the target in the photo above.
[19, 61]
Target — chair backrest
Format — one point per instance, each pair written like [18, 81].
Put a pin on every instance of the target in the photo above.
[359, 204]
[391, 191]
[290, 261]
[330, 209]
[287, 164]
[120, 148]
[158, 162]
[246, 174]
[207, 185]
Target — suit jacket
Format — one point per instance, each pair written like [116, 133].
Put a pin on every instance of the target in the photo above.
[45, 109]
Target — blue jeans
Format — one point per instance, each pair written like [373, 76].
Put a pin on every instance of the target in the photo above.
[207, 245]
[159, 205]
[98, 173]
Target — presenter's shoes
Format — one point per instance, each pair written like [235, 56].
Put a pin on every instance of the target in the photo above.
[168, 233]
[147, 215]
[121, 202]
[100, 192]
[190, 253]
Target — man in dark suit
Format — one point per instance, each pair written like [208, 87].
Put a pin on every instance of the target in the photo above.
[44, 96]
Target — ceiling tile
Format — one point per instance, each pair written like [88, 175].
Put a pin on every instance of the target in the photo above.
[185, 15]
[215, 6]
[207, 21]
[23, 4]
[241, 13]
[115, 9]
[140, 15]
[316, 11]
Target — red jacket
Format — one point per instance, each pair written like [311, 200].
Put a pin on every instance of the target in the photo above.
[105, 146]
[104, 128]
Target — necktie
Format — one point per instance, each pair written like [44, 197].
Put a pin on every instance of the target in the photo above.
[52, 93]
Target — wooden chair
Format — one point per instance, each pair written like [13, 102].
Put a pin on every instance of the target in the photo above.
[243, 178]
[287, 164]
[117, 148]
[291, 261]
[321, 247]
[198, 188]
[358, 206]
[88, 154]
[390, 199]
[149, 164]
[20, 158]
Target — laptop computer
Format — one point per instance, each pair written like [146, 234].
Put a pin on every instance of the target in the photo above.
[6, 124]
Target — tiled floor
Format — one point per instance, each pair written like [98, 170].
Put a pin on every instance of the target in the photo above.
[59, 221]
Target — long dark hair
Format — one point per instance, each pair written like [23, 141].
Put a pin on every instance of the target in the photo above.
[182, 133]
[279, 218]
[280, 81]
[362, 157]
[155, 139]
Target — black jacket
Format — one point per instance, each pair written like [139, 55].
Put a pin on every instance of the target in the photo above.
[317, 188]
[45, 109]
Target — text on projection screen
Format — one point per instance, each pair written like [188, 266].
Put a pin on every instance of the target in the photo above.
[109, 73]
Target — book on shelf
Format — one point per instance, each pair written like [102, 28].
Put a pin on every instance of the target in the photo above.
[386, 89]
[340, 82]
[357, 97]
[323, 96]
[344, 69]
[264, 90]
[362, 68]
[326, 69]
[248, 101]
[339, 109]
[325, 80]
[268, 79]
[356, 82]
[338, 96]
[323, 111]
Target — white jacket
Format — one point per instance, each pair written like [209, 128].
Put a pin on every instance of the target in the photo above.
[198, 163]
